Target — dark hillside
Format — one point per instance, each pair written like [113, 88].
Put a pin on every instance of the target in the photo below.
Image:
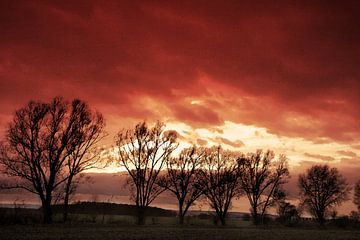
[112, 209]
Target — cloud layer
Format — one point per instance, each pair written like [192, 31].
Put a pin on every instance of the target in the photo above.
[288, 67]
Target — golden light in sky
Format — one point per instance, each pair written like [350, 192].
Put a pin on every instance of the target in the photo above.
[247, 76]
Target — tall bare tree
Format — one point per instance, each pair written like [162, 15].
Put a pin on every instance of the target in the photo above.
[182, 178]
[38, 144]
[322, 188]
[143, 152]
[85, 153]
[261, 178]
[357, 195]
[219, 180]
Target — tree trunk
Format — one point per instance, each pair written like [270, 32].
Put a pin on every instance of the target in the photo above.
[141, 215]
[47, 212]
[66, 207]
[223, 221]
[220, 216]
[181, 219]
[255, 216]
[321, 218]
[181, 214]
[66, 200]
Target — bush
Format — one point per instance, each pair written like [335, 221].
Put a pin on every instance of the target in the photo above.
[246, 217]
[347, 222]
[288, 214]
[19, 215]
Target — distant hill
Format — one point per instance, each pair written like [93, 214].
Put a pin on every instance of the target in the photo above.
[112, 209]
[209, 214]
[212, 213]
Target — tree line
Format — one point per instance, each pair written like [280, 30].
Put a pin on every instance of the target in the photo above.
[48, 145]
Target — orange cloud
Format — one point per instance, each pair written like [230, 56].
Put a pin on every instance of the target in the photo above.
[201, 142]
[235, 144]
[347, 153]
[319, 157]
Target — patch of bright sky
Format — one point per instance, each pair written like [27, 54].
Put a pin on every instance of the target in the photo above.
[253, 138]
[258, 138]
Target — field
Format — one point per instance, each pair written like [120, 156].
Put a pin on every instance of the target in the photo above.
[108, 231]
[109, 221]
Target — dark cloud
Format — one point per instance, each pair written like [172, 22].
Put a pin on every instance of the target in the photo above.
[289, 67]
[197, 115]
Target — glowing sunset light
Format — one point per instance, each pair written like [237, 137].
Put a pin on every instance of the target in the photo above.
[246, 76]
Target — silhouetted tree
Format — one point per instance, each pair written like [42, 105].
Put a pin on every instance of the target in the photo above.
[143, 152]
[261, 178]
[219, 180]
[37, 146]
[288, 214]
[182, 178]
[357, 195]
[85, 153]
[355, 216]
[322, 188]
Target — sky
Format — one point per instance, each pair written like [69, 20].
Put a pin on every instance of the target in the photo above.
[247, 75]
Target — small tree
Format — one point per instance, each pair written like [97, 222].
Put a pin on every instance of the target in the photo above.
[357, 195]
[143, 151]
[288, 214]
[322, 188]
[261, 178]
[219, 180]
[182, 178]
[37, 146]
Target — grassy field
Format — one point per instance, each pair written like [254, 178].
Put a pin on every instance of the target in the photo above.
[109, 224]
[164, 221]
[108, 231]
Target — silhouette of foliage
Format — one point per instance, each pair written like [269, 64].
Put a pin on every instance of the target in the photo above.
[182, 178]
[261, 178]
[39, 144]
[288, 214]
[219, 180]
[322, 188]
[143, 152]
[85, 154]
[357, 195]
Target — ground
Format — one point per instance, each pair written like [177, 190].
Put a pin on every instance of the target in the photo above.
[109, 231]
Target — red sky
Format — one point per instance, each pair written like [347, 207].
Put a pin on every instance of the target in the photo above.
[282, 75]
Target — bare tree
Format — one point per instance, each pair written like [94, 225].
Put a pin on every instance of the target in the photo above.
[182, 178]
[357, 195]
[143, 152]
[261, 178]
[288, 214]
[85, 154]
[322, 188]
[219, 180]
[38, 143]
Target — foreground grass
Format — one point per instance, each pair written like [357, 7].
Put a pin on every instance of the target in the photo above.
[99, 231]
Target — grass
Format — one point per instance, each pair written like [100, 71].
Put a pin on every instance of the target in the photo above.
[150, 220]
[24, 224]
[110, 231]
